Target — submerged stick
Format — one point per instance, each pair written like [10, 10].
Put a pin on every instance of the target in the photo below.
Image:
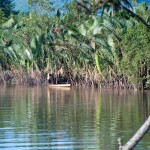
[138, 136]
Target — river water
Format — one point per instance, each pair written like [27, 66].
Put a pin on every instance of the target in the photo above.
[39, 118]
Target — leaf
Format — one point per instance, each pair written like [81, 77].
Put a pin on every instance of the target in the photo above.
[16, 47]
[82, 30]
[92, 24]
[111, 42]
[28, 54]
[84, 57]
[70, 32]
[33, 44]
[108, 24]
[9, 23]
[10, 52]
[102, 42]
[87, 46]
[97, 61]
[96, 30]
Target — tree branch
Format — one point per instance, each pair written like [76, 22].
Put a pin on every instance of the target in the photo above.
[136, 16]
[82, 5]
[138, 136]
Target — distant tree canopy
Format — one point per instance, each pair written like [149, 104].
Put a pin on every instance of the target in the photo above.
[44, 6]
[6, 6]
[92, 7]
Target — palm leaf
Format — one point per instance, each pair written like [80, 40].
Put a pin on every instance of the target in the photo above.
[9, 23]
[97, 61]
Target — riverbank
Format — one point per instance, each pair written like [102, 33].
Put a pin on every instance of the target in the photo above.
[76, 78]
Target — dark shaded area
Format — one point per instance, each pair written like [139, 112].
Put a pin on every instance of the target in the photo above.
[7, 6]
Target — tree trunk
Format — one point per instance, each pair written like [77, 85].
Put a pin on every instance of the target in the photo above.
[138, 136]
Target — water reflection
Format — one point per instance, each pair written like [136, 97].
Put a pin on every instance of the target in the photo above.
[76, 118]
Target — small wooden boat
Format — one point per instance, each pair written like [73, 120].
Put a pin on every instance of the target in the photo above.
[59, 85]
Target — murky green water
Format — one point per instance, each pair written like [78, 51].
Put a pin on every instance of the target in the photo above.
[38, 118]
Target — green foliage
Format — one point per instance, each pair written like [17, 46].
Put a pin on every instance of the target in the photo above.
[2, 16]
[97, 61]
[44, 6]
[6, 6]
[9, 23]
[110, 45]
[136, 44]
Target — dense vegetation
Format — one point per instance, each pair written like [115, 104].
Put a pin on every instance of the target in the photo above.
[85, 45]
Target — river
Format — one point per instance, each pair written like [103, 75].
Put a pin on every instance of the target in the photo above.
[40, 118]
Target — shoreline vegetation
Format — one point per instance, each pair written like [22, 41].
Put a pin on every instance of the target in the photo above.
[78, 46]
[37, 78]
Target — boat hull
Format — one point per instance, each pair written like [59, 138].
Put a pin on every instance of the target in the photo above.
[59, 85]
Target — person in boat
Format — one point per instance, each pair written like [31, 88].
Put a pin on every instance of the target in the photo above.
[50, 78]
[59, 79]
[61, 76]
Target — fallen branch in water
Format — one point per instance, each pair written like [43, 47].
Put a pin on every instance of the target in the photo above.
[137, 136]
